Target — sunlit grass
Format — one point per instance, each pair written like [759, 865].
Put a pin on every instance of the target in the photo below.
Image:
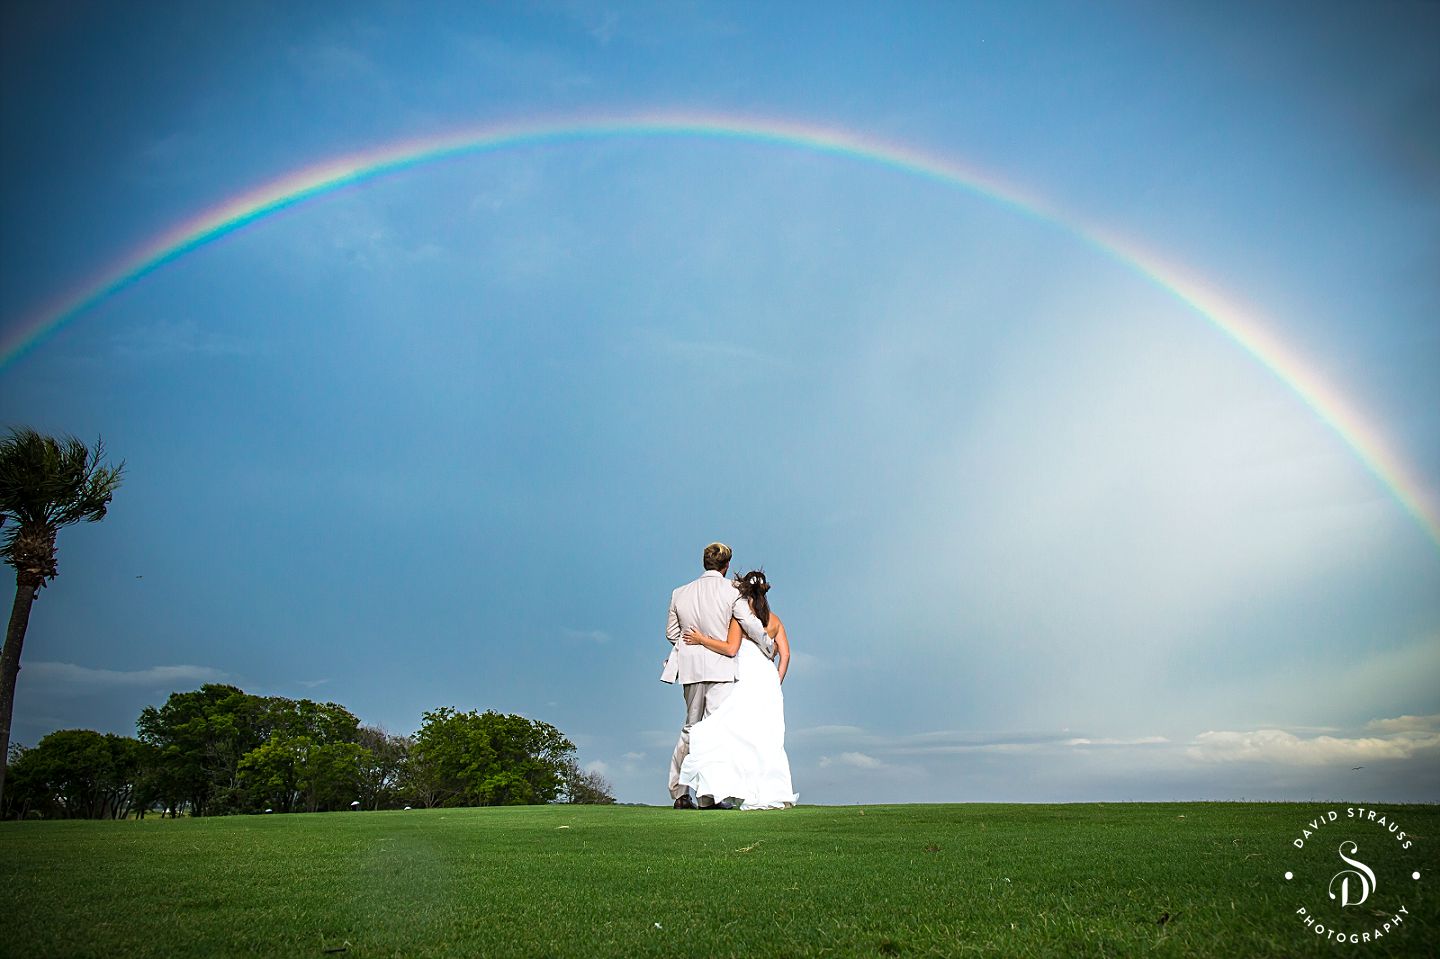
[1013, 880]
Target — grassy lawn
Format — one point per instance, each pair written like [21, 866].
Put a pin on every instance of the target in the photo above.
[951, 880]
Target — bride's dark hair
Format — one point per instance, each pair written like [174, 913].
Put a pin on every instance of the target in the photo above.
[753, 586]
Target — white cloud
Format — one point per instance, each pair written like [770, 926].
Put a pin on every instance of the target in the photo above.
[597, 766]
[943, 742]
[1405, 724]
[947, 742]
[69, 674]
[1399, 738]
[857, 760]
[825, 732]
[707, 352]
[1141, 741]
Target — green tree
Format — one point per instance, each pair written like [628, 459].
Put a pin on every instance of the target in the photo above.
[295, 773]
[322, 722]
[78, 774]
[271, 772]
[221, 750]
[333, 773]
[488, 759]
[310, 756]
[199, 738]
[45, 483]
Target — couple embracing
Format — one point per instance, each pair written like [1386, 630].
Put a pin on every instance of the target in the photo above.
[732, 746]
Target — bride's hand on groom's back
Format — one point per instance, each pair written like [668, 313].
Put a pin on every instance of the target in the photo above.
[693, 637]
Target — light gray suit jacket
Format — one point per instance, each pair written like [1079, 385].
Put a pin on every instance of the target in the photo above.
[708, 604]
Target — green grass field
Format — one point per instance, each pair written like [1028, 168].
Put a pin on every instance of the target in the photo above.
[953, 880]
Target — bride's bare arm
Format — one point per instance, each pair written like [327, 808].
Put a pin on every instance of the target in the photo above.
[726, 647]
[782, 648]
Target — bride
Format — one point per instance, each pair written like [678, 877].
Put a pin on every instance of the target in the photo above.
[738, 751]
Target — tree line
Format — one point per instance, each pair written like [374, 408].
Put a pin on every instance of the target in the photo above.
[220, 751]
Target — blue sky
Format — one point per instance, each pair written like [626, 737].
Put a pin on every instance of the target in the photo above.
[450, 437]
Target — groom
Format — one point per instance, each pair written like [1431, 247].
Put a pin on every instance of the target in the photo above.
[706, 605]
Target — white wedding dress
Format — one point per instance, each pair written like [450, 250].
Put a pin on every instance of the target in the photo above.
[738, 751]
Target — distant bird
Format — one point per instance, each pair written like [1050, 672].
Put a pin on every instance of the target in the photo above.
[1353, 768]
[355, 804]
[1164, 918]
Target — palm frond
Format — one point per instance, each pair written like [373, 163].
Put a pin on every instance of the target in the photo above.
[48, 482]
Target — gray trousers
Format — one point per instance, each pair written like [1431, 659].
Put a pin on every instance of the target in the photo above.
[701, 699]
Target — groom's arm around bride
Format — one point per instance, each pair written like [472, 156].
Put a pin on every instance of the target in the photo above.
[707, 605]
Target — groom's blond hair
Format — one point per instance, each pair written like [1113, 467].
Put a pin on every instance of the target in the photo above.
[716, 556]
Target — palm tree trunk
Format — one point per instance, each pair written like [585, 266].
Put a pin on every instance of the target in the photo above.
[10, 666]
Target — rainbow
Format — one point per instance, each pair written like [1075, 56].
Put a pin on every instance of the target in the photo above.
[1243, 327]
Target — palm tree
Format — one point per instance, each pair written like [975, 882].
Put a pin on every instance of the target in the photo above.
[45, 483]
